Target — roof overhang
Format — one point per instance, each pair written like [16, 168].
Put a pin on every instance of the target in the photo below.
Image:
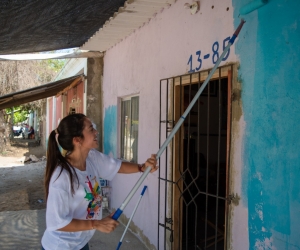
[94, 25]
[123, 23]
[40, 92]
[45, 56]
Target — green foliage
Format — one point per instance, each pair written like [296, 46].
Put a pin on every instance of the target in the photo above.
[20, 75]
[46, 70]
[20, 116]
[20, 113]
[56, 64]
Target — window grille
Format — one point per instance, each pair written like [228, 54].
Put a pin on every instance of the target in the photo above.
[193, 174]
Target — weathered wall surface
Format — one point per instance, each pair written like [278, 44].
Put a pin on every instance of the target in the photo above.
[94, 95]
[268, 50]
[264, 155]
[73, 67]
[167, 46]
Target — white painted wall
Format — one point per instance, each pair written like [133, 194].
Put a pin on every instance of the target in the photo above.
[73, 67]
[158, 50]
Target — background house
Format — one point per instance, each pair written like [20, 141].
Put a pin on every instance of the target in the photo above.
[81, 96]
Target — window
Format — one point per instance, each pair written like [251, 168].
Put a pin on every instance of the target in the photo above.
[129, 128]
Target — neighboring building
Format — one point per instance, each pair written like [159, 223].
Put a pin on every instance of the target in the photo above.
[81, 96]
[69, 100]
[241, 138]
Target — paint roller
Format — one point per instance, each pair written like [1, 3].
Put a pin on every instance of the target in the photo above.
[254, 5]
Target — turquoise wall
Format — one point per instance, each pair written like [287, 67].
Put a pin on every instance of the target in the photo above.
[269, 52]
[110, 131]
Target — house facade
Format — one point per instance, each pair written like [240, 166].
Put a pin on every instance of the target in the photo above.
[259, 148]
[81, 96]
[228, 179]
[69, 100]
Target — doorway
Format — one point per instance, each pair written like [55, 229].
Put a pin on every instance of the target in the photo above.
[195, 179]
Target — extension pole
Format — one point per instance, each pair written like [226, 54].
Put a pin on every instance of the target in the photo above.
[178, 124]
[136, 206]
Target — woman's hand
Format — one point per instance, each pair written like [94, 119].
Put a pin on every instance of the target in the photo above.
[151, 162]
[130, 168]
[106, 225]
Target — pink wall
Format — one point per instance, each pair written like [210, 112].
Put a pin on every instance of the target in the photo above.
[58, 110]
[80, 93]
[50, 112]
[75, 94]
[159, 49]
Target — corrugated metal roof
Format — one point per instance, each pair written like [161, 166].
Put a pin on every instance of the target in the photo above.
[133, 15]
[39, 92]
[45, 56]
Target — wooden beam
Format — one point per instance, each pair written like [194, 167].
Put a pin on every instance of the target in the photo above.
[72, 85]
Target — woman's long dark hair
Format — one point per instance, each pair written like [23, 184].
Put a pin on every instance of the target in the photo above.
[71, 126]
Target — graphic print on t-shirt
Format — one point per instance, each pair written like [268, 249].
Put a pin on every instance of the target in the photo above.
[94, 198]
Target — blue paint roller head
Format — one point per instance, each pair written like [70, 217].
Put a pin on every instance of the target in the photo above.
[252, 6]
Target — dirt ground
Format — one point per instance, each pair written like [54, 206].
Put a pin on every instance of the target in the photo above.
[21, 184]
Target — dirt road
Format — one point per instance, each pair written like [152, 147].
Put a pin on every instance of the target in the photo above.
[21, 184]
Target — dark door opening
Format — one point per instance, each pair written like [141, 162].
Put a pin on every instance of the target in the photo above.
[204, 167]
[193, 173]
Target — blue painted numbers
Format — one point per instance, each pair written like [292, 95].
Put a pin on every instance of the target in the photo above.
[227, 39]
[215, 49]
[215, 55]
[198, 53]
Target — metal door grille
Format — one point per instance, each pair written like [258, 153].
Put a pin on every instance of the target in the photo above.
[193, 174]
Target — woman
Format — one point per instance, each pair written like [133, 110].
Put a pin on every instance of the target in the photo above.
[30, 133]
[72, 184]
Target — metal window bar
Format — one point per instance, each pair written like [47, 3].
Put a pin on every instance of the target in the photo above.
[134, 129]
[188, 231]
[126, 117]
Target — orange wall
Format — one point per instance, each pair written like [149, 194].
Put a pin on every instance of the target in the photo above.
[58, 110]
[74, 98]
[76, 94]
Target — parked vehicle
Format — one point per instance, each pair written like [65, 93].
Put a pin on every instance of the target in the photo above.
[18, 130]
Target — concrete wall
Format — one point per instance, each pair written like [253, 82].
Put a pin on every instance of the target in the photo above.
[162, 48]
[94, 95]
[265, 141]
[59, 113]
[268, 50]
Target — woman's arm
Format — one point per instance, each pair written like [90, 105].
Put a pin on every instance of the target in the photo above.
[129, 168]
[106, 225]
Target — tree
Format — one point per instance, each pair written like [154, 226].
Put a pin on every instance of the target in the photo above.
[20, 75]
[21, 114]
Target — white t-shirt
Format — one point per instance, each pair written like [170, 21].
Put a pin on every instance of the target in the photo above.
[84, 204]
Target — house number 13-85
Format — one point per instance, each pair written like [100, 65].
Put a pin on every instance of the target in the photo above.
[214, 56]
